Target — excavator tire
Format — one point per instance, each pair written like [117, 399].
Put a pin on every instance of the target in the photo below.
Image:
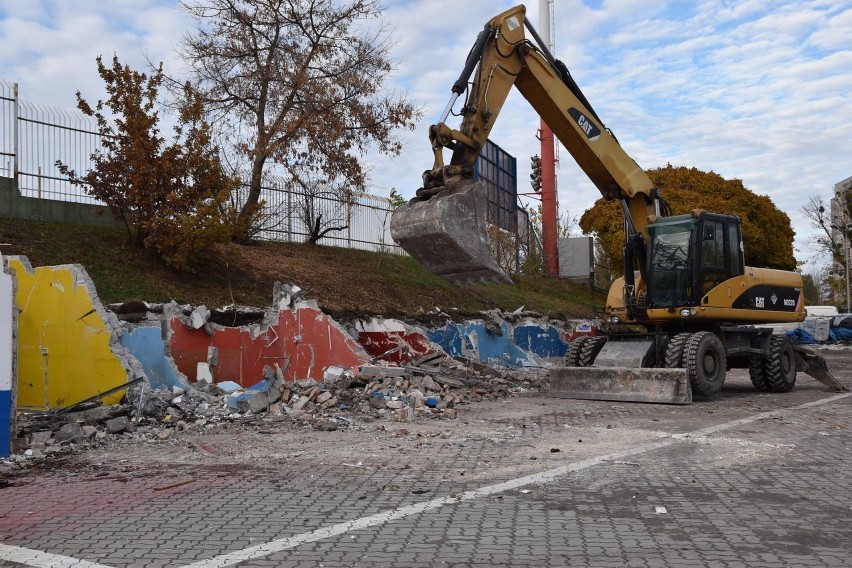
[590, 350]
[674, 350]
[575, 350]
[705, 363]
[757, 371]
[781, 364]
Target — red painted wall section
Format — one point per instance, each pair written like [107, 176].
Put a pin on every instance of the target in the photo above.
[581, 330]
[379, 336]
[305, 336]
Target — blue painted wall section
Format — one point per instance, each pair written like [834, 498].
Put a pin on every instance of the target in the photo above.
[471, 339]
[542, 339]
[146, 344]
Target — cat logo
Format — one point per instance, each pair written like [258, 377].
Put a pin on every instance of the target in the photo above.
[758, 303]
[588, 127]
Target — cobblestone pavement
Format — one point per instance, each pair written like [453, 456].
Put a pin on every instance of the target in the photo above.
[747, 479]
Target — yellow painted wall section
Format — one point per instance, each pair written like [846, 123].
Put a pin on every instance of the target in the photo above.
[64, 354]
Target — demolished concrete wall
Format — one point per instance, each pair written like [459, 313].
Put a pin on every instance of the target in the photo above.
[148, 346]
[8, 357]
[491, 343]
[68, 344]
[394, 341]
[513, 340]
[296, 336]
[543, 339]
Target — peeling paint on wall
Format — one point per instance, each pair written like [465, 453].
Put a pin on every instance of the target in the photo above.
[474, 340]
[394, 341]
[68, 349]
[146, 344]
[542, 339]
[296, 336]
[581, 329]
[8, 350]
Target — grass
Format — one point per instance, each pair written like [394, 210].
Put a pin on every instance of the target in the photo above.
[342, 281]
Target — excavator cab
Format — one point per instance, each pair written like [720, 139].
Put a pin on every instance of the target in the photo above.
[691, 254]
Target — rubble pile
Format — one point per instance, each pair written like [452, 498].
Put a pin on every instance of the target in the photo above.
[433, 388]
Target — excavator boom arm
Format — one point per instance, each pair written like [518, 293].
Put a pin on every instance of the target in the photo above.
[502, 58]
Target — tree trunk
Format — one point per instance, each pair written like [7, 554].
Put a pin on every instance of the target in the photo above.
[242, 229]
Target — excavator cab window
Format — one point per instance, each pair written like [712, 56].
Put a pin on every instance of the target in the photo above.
[720, 252]
[670, 281]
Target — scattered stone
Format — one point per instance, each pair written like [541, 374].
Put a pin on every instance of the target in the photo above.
[199, 316]
[40, 439]
[89, 431]
[404, 414]
[306, 384]
[117, 425]
[378, 402]
[69, 433]
[327, 425]
[203, 374]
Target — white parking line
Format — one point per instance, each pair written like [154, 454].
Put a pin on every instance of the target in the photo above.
[279, 545]
[39, 559]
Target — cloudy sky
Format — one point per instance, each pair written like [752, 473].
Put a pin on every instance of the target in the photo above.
[753, 89]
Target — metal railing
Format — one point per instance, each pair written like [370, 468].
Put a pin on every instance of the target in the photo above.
[35, 136]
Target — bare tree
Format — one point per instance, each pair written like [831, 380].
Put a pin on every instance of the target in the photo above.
[320, 204]
[297, 82]
[820, 217]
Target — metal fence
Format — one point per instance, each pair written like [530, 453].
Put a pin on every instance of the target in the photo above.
[34, 137]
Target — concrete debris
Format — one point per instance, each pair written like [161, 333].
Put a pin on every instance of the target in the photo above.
[117, 425]
[69, 433]
[199, 316]
[425, 381]
[202, 373]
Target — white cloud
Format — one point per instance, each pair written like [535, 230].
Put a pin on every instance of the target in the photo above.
[748, 89]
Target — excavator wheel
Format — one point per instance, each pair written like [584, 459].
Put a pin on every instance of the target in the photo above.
[590, 350]
[705, 363]
[757, 370]
[674, 350]
[781, 364]
[575, 350]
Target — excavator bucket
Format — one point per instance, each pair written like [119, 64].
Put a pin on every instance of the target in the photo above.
[623, 384]
[448, 235]
[620, 373]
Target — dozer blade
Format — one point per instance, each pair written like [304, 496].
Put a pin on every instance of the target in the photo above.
[665, 386]
[448, 235]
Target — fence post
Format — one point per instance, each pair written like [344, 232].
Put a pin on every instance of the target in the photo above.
[15, 132]
[349, 220]
[289, 193]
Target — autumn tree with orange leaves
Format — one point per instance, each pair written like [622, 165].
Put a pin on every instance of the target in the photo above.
[170, 194]
[767, 232]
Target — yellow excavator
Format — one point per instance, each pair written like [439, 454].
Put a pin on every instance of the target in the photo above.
[684, 279]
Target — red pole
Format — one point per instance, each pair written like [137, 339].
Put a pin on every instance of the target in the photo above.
[549, 213]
